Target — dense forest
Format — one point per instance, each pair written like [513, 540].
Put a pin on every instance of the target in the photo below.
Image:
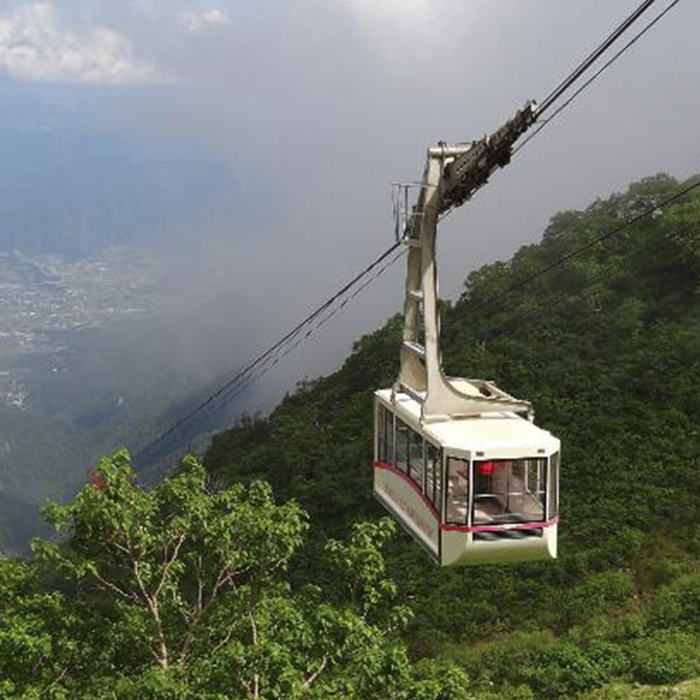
[268, 571]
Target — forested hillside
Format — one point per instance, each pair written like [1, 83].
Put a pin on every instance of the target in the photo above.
[212, 585]
[607, 347]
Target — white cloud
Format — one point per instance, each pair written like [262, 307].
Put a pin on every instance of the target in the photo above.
[397, 14]
[400, 32]
[410, 35]
[198, 21]
[399, 19]
[35, 46]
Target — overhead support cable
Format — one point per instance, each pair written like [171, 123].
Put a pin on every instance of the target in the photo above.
[558, 91]
[269, 356]
[648, 212]
[233, 392]
[604, 274]
[544, 122]
[497, 154]
[472, 169]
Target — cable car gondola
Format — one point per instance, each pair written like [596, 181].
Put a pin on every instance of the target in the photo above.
[472, 490]
[459, 462]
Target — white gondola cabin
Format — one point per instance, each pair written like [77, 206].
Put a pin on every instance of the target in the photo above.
[471, 490]
[459, 463]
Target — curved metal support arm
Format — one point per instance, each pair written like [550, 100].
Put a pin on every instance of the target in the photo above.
[452, 174]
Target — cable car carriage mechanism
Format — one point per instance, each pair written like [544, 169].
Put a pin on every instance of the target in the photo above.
[459, 462]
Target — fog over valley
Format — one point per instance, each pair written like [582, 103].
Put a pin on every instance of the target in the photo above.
[181, 182]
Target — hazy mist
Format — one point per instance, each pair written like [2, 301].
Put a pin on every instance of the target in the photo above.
[316, 106]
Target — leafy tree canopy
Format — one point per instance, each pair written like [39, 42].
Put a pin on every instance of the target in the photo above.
[182, 591]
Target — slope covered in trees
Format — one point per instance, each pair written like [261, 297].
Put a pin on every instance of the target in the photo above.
[607, 346]
[209, 586]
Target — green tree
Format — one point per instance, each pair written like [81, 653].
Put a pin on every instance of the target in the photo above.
[190, 590]
[36, 647]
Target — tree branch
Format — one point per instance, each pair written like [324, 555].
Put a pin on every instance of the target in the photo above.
[310, 680]
[168, 565]
[254, 634]
[113, 587]
[152, 603]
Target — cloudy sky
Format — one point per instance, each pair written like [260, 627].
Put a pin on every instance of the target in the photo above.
[316, 106]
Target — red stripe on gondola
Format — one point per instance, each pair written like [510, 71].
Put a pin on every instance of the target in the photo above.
[499, 528]
[394, 470]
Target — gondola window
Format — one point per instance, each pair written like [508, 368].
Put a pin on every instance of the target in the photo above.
[457, 491]
[504, 494]
[416, 458]
[402, 440]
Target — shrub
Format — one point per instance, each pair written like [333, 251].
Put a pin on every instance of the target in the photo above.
[596, 596]
[566, 669]
[664, 657]
[505, 660]
[678, 606]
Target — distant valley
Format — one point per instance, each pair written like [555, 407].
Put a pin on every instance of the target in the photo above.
[89, 360]
[43, 296]
[100, 341]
